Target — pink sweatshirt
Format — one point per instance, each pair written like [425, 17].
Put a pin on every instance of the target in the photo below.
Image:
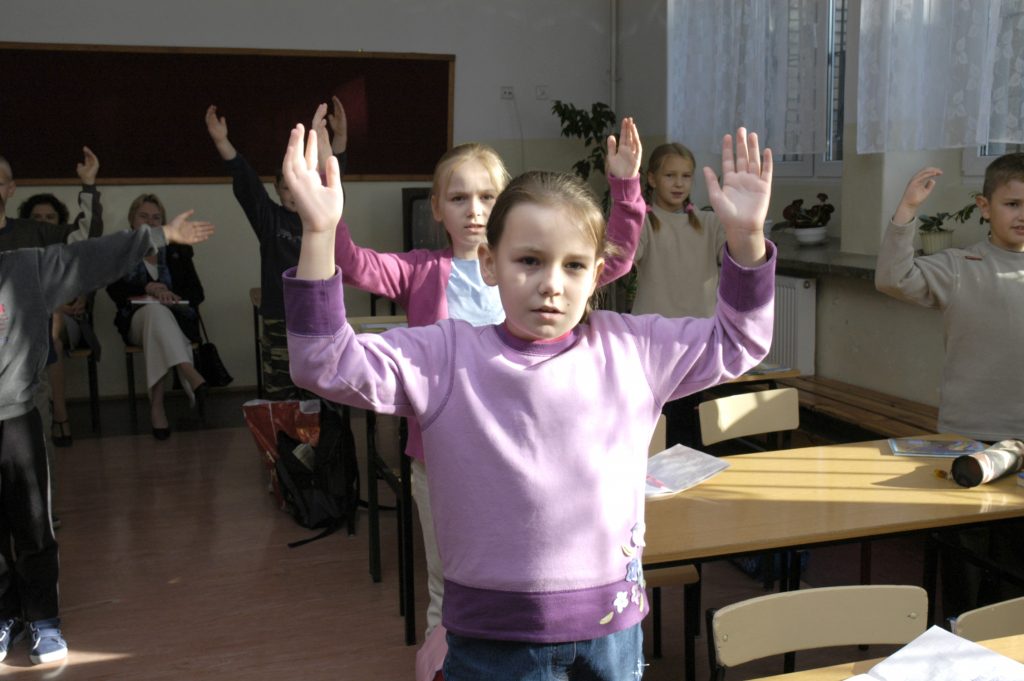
[417, 280]
[535, 452]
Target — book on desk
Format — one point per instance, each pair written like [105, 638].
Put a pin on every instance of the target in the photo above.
[679, 468]
[950, 449]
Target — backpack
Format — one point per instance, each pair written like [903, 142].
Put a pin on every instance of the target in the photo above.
[324, 496]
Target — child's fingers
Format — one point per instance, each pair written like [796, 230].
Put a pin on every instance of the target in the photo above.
[767, 166]
[728, 163]
[311, 156]
[754, 154]
[332, 173]
[742, 160]
[613, 146]
[293, 153]
[711, 182]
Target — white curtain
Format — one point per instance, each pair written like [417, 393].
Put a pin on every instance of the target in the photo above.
[749, 63]
[937, 74]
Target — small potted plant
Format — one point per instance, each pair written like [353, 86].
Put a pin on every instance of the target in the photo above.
[935, 236]
[809, 223]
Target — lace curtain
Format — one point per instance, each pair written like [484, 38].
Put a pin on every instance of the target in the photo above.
[749, 63]
[937, 74]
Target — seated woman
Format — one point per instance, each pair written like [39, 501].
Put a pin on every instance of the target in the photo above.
[72, 322]
[157, 310]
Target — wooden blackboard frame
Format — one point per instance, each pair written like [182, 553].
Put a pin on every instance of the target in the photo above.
[140, 108]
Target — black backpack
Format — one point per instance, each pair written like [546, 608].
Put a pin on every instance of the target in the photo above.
[325, 497]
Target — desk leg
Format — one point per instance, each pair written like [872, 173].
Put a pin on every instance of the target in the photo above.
[931, 572]
[373, 503]
[259, 353]
[408, 576]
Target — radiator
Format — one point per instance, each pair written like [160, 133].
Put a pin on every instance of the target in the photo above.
[793, 340]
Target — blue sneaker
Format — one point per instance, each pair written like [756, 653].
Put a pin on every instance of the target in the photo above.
[47, 643]
[11, 631]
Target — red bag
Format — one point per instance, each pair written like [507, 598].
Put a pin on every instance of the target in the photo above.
[300, 420]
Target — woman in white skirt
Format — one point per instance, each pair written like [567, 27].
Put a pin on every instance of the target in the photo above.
[156, 310]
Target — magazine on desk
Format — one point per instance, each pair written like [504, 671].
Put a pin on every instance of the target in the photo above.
[911, 446]
[679, 468]
[938, 655]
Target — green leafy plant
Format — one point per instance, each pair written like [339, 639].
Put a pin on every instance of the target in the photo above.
[592, 127]
[817, 215]
[936, 222]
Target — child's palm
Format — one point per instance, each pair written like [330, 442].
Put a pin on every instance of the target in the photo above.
[319, 206]
[623, 158]
[741, 202]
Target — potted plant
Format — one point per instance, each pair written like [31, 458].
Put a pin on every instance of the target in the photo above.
[935, 236]
[809, 223]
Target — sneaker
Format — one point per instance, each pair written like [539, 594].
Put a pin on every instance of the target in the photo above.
[11, 631]
[47, 643]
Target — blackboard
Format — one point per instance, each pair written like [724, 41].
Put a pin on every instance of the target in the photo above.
[141, 109]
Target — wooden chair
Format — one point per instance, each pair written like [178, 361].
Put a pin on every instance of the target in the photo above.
[94, 391]
[735, 417]
[687, 576]
[790, 621]
[990, 621]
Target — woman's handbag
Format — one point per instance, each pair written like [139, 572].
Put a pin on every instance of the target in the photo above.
[207, 361]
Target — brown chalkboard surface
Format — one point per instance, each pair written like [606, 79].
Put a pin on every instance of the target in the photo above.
[141, 109]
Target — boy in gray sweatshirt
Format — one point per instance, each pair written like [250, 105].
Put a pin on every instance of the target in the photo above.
[33, 283]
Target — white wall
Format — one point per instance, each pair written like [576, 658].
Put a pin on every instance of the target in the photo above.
[563, 45]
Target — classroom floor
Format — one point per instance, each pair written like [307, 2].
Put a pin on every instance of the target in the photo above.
[175, 565]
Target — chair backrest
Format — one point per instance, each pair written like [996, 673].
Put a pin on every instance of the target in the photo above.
[659, 439]
[753, 413]
[815, 618]
[991, 621]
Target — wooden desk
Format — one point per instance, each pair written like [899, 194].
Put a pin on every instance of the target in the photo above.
[798, 498]
[377, 469]
[1010, 646]
[765, 376]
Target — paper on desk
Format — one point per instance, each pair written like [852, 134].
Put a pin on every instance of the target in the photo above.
[938, 655]
[679, 468]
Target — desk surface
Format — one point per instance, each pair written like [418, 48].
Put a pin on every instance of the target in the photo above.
[1010, 646]
[766, 375]
[816, 495]
[377, 324]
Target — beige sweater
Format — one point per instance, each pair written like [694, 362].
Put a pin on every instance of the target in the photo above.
[980, 290]
[677, 266]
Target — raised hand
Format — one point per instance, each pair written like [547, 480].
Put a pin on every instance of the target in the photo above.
[339, 125]
[623, 158]
[918, 189]
[323, 146]
[741, 201]
[181, 230]
[217, 127]
[319, 205]
[88, 168]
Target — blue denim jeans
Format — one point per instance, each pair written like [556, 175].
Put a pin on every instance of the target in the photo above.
[616, 657]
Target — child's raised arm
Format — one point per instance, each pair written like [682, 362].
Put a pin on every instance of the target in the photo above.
[339, 125]
[623, 157]
[918, 189]
[218, 129]
[88, 168]
[741, 201]
[319, 205]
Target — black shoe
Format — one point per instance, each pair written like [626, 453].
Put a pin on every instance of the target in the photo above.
[60, 433]
[161, 433]
[201, 392]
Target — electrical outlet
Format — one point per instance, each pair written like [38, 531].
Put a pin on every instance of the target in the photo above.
[541, 91]
[506, 92]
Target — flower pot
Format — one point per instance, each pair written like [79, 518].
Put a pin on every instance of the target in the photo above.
[808, 236]
[933, 242]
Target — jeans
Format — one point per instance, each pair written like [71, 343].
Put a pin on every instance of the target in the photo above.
[616, 657]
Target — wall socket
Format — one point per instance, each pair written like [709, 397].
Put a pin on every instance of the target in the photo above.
[541, 91]
[506, 92]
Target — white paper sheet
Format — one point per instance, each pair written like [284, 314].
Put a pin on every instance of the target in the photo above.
[938, 655]
[679, 468]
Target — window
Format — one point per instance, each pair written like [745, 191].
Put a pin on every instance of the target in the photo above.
[831, 73]
[976, 159]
